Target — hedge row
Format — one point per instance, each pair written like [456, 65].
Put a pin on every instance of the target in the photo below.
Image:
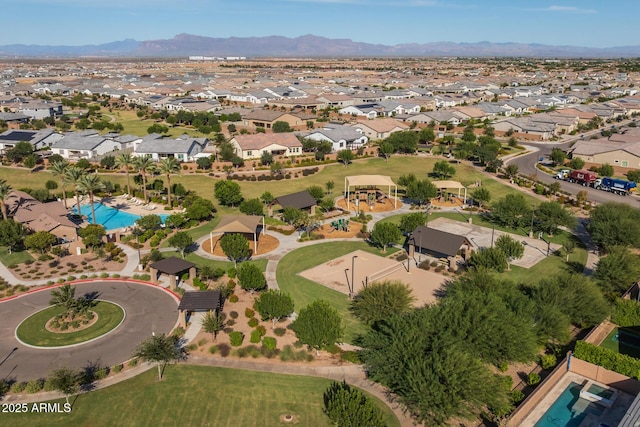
[608, 359]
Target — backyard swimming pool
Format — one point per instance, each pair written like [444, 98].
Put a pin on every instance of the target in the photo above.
[569, 410]
[111, 218]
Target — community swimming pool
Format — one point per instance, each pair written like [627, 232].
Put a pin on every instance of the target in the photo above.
[569, 410]
[111, 218]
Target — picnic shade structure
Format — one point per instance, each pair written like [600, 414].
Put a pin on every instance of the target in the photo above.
[370, 181]
[193, 301]
[300, 200]
[172, 266]
[245, 224]
[451, 184]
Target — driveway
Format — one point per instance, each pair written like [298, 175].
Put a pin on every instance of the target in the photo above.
[148, 309]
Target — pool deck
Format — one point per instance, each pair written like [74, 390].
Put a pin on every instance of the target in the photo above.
[610, 416]
[127, 205]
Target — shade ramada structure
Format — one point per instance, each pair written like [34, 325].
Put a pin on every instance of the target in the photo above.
[245, 224]
[440, 185]
[370, 181]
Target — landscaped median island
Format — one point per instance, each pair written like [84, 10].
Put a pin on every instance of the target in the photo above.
[37, 330]
[200, 395]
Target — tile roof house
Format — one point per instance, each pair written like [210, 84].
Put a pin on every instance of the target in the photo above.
[380, 128]
[52, 216]
[339, 136]
[267, 118]
[84, 145]
[39, 139]
[252, 146]
[622, 150]
[183, 148]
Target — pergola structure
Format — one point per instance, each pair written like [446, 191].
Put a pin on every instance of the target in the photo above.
[172, 266]
[193, 301]
[451, 184]
[245, 224]
[370, 181]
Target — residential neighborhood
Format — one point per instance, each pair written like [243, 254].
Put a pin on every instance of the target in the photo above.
[197, 221]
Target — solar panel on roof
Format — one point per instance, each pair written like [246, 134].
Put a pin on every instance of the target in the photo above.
[18, 136]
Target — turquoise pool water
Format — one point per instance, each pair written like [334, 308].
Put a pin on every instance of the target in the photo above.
[112, 218]
[569, 409]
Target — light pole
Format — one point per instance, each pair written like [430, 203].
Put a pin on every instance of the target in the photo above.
[136, 233]
[533, 212]
[353, 258]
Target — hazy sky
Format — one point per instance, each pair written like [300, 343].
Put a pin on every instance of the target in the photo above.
[587, 23]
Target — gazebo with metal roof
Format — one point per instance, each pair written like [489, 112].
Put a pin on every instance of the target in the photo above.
[300, 200]
[198, 301]
[244, 224]
[172, 266]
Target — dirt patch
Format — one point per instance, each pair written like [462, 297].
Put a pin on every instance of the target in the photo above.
[331, 233]
[266, 243]
[70, 265]
[204, 341]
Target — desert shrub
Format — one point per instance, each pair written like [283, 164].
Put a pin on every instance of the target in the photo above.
[224, 349]
[269, 342]
[233, 314]
[548, 361]
[255, 337]
[101, 373]
[18, 387]
[503, 366]
[249, 312]
[262, 330]
[236, 338]
[34, 386]
[351, 356]
[516, 397]
[253, 322]
[233, 298]
[117, 368]
[279, 332]
[214, 349]
[533, 378]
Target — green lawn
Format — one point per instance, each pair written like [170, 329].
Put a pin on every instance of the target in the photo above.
[197, 396]
[624, 344]
[32, 330]
[304, 291]
[13, 258]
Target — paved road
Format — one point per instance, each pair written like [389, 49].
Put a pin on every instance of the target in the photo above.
[527, 166]
[148, 309]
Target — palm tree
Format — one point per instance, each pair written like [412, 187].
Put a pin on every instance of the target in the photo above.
[167, 166]
[90, 184]
[144, 165]
[58, 169]
[72, 176]
[5, 189]
[125, 160]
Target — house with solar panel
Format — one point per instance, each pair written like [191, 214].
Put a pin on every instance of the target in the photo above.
[39, 139]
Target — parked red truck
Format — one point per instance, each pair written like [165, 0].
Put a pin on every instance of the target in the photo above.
[586, 178]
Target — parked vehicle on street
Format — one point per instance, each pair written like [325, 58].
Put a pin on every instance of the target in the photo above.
[582, 177]
[616, 186]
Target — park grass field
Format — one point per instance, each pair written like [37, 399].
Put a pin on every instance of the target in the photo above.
[304, 291]
[202, 184]
[197, 396]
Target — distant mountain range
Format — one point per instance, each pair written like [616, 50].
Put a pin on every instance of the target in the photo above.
[184, 45]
